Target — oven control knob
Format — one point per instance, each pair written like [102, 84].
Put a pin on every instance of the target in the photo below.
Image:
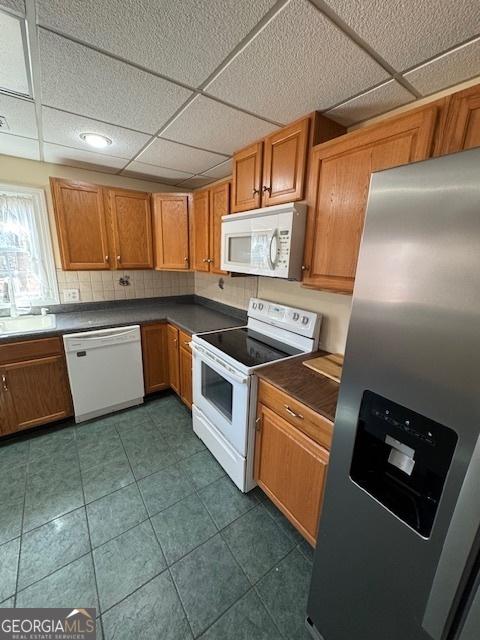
[304, 320]
[260, 305]
[254, 305]
[296, 316]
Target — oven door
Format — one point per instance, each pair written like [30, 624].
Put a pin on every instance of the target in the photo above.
[222, 395]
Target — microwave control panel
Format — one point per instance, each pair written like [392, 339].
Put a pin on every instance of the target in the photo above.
[283, 248]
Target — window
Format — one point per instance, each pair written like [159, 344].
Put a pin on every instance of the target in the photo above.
[27, 267]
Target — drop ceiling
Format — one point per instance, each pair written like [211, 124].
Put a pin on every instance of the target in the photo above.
[179, 86]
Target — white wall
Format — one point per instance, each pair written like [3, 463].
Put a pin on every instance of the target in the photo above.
[237, 291]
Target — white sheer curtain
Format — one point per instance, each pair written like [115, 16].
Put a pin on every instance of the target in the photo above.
[22, 261]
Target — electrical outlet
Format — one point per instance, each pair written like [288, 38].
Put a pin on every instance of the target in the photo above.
[71, 295]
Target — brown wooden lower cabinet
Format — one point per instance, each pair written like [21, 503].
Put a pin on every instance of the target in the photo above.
[33, 391]
[173, 358]
[291, 468]
[185, 361]
[155, 357]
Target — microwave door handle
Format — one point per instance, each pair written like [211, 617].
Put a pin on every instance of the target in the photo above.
[273, 261]
[461, 537]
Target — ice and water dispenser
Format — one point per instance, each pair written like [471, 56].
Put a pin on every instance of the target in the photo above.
[401, 458]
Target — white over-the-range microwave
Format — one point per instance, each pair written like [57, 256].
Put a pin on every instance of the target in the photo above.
[265, 242]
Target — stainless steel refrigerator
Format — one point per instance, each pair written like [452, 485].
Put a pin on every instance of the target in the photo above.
[398, 550]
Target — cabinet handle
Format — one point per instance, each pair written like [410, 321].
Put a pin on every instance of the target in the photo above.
[258, 424]
[255, 192]
[292, 413]
[185, 259]
[305, 267]
[118, 258]
[4, 382]
[106, 258]
[205, 260]
[269, 189]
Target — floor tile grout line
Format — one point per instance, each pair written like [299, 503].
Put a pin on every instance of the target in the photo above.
[88, 527]
[21, 530]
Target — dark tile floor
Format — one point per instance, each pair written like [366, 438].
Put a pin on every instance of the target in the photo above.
[132, 515]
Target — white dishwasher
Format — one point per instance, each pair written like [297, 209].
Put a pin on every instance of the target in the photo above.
[105, 370]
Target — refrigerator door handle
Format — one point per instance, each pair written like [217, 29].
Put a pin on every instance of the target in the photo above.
[461, 536]
[471, 625]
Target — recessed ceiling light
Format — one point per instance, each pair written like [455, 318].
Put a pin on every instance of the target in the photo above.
[96, 140]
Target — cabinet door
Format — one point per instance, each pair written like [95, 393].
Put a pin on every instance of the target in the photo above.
[186, 375]
[219, 206]
[38, 390]
[173, 358]
[462, 127]
[200, 230]
[170, 231]
[81, 227]
[247, 178]
[131, 222]
[6, 415]
[291, 469]
[338, 192]
[155, 357]
[285, 163]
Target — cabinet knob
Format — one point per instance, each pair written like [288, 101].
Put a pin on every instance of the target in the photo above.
[4, 382]
[269, 189]
[255, 192]
[205, 260]
[185, 259]
[305, 267]
[118, 258]
[106, 258]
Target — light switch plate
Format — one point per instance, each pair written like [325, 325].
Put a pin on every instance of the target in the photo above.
[71, 295]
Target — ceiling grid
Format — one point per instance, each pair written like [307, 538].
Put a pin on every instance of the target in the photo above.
[176, 108]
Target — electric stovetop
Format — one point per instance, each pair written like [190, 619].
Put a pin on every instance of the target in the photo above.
[249, 347]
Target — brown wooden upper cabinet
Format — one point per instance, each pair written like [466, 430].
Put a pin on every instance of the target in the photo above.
[81, 225]
[273, 171]
[462, 123]
[219, 206]
[338, 190]
[131, 221]
[102, 228]
[209, 205]
[171, 230]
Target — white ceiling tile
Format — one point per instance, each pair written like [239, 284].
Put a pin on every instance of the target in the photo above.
[408, 32]
[13, 69]
[18, 146]
[195, 183]
[20, 115]
[372, 103]
[78, 79]
[211, 125]
[65, 129]
[298, 63]
[83, 159]
[15, 5]
[183, 40]
[142, 169]
[449, 69]
[221, 171]
[164, 153]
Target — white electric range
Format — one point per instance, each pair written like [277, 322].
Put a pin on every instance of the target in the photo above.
[224, 384]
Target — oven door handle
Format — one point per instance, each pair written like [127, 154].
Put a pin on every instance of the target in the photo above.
[204, 356]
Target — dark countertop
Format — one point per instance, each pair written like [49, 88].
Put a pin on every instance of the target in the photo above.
[305, 385]
[193, 317]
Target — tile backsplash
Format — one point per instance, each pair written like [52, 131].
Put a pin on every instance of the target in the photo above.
[234, 291]
[96, 286]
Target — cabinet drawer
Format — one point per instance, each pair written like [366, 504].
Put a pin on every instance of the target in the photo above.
[308, 421]
[30, 349]
[184, 340]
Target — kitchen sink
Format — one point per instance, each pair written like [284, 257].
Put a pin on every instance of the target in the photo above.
[22, 324]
